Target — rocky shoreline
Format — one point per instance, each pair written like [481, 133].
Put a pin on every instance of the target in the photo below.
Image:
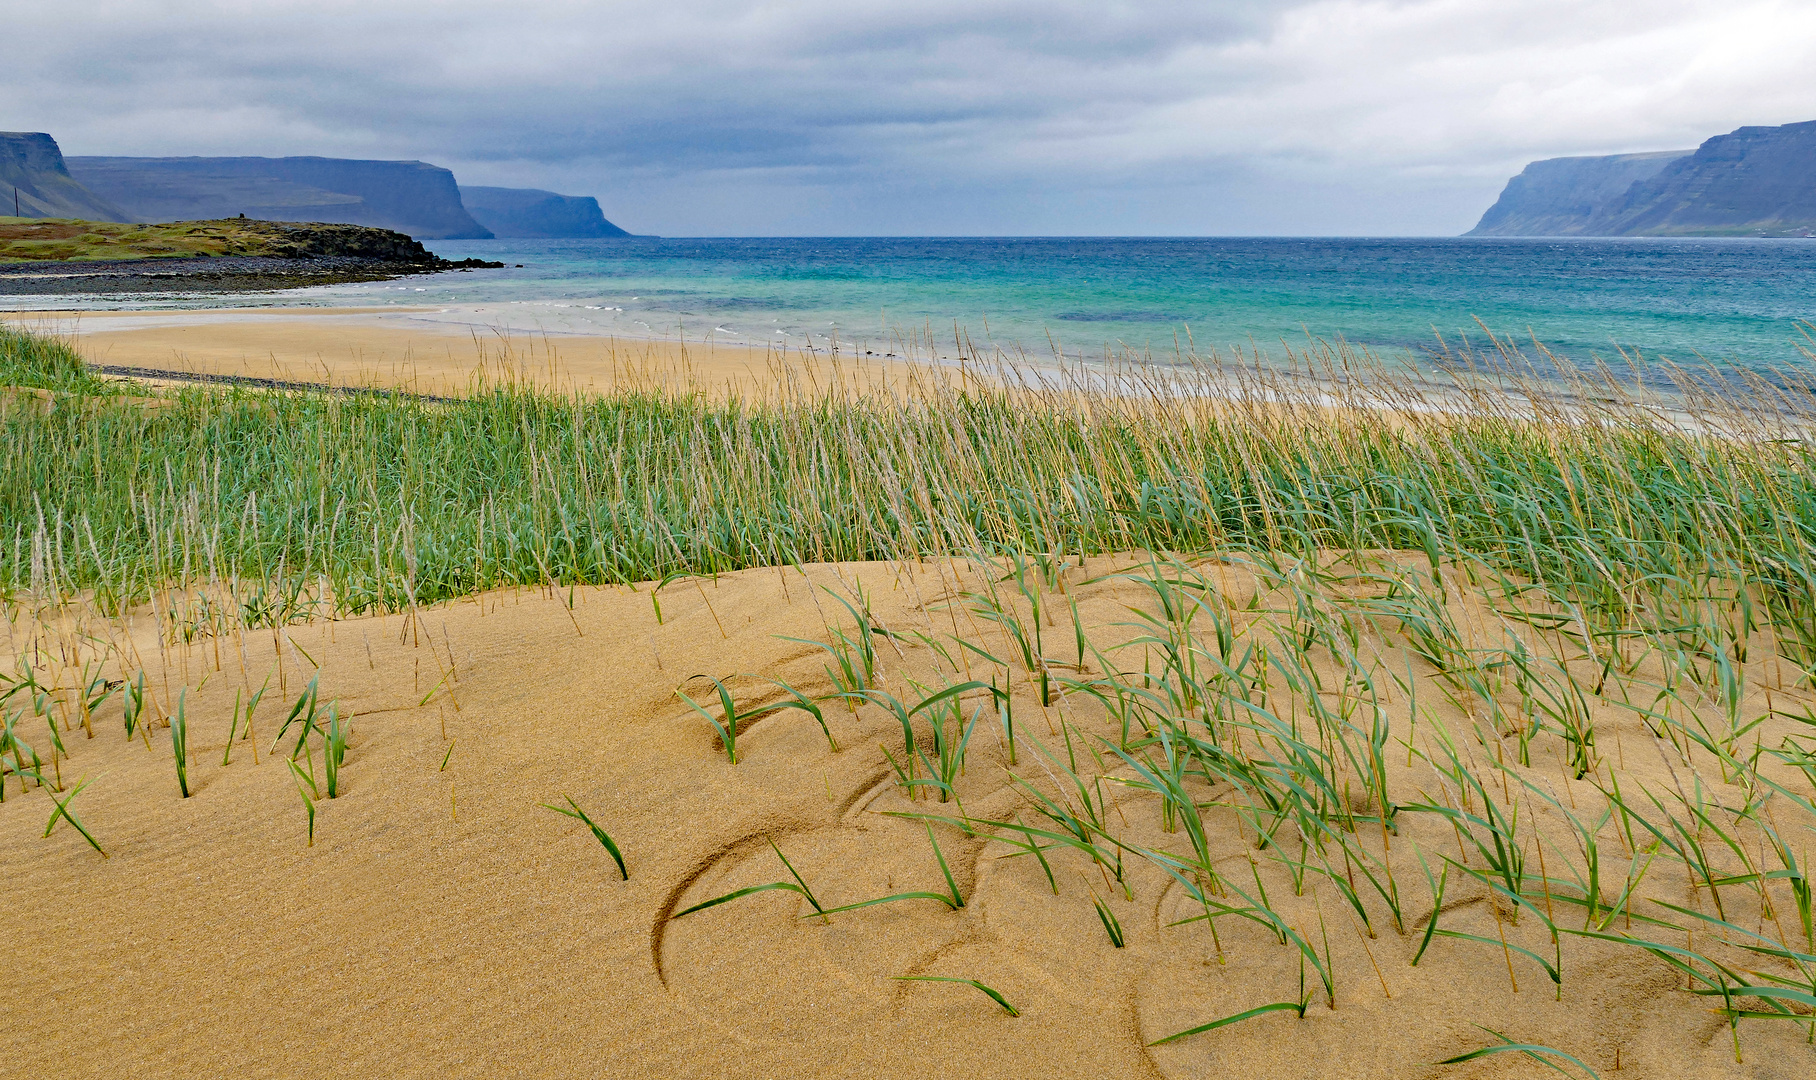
[228, 274]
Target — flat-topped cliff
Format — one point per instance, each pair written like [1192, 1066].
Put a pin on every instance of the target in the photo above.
[33, 169]
[533, 214]
[1750, 181]
[410, 197]
[1564, 196]
[1755, 181]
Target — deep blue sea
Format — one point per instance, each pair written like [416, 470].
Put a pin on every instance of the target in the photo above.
[1724, 301]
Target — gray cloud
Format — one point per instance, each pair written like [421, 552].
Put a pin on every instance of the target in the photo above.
[994, 116]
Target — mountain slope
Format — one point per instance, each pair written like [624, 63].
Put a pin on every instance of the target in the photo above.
[410, 197]
[1754, 181]
[1750, 181]
[32, 163]
[1564, 196]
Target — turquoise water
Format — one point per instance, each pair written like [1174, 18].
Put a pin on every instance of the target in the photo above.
[1726, 301]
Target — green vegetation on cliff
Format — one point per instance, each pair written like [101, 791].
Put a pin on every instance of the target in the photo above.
[60, 239]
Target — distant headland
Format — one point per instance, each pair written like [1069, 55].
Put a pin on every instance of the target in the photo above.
[72, 257]
[411, 197]
[1755, 181]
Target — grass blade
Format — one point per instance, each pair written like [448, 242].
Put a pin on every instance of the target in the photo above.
[1111, 925]
[1278, 1006]
[799, 880]
[1531, 1050]
[941, 897]
[973, 983]
[308, 803]
[599, 834]
[747, 891]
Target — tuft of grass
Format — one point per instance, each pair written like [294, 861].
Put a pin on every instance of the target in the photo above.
[43, 362]
[727, 727]
[1111, 924]
[61, 811]
[179, 743]
[134, 705]
[334, 751]
[305, 711]
[309, 796]
[729, 721]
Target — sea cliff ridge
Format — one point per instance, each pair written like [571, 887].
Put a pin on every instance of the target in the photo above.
[1754, 181]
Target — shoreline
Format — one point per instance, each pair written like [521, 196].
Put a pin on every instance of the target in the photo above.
[430, 351]
[393, 348]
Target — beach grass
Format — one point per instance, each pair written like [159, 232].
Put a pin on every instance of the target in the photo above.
[1372, 631]
[310, 504]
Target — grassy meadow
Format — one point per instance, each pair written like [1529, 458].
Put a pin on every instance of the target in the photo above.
[1507, 686]
[71, 239]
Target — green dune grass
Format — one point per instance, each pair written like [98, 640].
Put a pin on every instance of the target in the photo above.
[305, 502]
[1633, 560]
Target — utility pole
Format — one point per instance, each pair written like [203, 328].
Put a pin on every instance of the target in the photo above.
[15, 200]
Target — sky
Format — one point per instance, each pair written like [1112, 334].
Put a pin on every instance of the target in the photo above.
[943, 117]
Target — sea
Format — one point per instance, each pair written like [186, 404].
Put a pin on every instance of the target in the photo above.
[1721, 303]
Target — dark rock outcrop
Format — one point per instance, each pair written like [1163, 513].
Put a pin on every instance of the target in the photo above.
[32, 164]
[406, 196]
[1755, 181]
[543, 215]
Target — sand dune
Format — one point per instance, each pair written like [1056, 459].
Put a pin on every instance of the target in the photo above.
[444, 923]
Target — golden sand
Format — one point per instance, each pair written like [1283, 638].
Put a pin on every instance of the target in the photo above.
[386, 348]
[445, 924]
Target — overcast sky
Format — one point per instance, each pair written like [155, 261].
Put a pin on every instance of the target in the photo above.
[947, 117]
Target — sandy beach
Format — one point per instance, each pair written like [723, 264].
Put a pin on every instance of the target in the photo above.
[403, 349]
[445, 923]
[1025, 815]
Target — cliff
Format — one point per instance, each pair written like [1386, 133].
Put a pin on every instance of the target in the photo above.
[1752, 181]
[529, 213]
[404, 196]
[31, 162]
[1564, 196]
[1756, 181]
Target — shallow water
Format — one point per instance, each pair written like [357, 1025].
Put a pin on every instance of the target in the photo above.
[1720, 300]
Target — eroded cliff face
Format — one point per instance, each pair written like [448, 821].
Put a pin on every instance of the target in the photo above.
[529, 213]
[1567, 196]
[32, 166]
[410, 197]
[1756, 181]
